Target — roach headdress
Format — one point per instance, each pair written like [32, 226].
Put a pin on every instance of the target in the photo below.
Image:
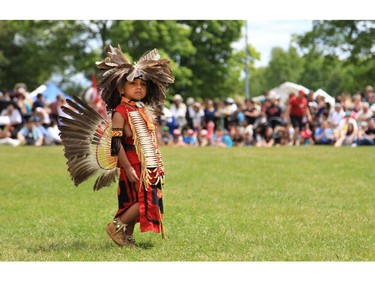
[115, 68]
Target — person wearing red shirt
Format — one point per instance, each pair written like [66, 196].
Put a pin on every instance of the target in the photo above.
[298, 113]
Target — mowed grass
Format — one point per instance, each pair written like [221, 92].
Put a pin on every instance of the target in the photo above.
[239, 204]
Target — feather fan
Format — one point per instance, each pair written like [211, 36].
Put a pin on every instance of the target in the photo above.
[86, 137]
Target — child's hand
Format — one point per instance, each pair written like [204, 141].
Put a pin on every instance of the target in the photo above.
[131, 174]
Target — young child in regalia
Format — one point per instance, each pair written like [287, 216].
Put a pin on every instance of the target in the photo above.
[125, 145]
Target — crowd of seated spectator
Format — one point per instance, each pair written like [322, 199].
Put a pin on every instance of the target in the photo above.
[302, 120]
[266, 122]
[25, 121]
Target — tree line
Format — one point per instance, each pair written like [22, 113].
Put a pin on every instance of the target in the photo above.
[334, 55]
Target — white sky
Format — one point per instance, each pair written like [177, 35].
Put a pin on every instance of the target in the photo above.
[189, 9]
[266, 34]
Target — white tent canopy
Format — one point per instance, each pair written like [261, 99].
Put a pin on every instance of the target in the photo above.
[327, 97]
[285, 89]
[38, 90]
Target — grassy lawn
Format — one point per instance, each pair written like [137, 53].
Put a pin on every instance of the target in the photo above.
[239, 204]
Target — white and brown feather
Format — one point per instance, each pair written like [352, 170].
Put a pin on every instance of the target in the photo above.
[86, 139]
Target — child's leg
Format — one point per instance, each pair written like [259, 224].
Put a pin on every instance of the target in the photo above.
[129, 217]
[121, 228]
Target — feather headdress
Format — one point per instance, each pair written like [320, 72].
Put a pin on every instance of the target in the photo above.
[116, 67]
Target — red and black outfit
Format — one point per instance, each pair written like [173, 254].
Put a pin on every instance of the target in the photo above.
[149, 197]
[298, 107]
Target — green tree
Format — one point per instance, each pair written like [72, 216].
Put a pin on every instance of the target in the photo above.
[34, 50]
[214, 57]
[168, 36]
[201, 52]
[178, 40]
[283, 66]
[350, 40]
[258, 82]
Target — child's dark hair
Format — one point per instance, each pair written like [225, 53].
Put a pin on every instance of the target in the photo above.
[152, 97]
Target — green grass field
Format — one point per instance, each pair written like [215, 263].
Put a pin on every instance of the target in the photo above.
[239, 204]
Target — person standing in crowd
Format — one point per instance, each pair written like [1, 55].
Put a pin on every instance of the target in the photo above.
[298, 114]
[238, 116]
[221, 115]
[55, 107]
[197, 117]
[209, 112]
[179, 110]
[250, 111]
[189, 111]
[39, 102]
[320, 111]
[22, 103]
[230, 107]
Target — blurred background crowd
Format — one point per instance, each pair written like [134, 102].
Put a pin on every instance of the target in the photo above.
[303, 119]
[265, 122]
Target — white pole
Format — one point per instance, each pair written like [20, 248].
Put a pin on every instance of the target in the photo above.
[247, 74]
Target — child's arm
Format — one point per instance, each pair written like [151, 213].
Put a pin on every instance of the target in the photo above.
[119, 122]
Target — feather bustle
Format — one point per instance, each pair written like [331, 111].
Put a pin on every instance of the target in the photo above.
[85, 136]
[106, 179]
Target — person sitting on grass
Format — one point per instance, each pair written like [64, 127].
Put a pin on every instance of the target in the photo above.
[223, 139]
[348, 131]
[366, 134]
[30, 134]
[324, 134]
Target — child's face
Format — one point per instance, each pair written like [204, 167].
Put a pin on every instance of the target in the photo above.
[136, 90]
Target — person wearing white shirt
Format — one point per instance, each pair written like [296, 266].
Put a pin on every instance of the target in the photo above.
[10, 116]
[335, 116]
[178, 109]
[347, 131]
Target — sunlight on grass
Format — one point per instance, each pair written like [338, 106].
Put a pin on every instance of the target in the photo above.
[240, 204]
